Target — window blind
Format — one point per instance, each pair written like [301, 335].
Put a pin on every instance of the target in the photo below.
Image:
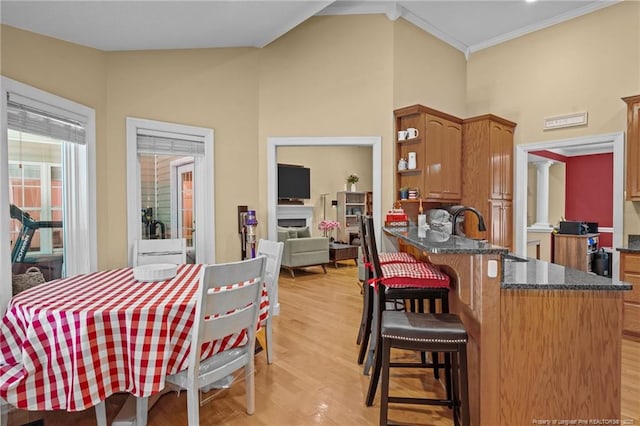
[31, 116]
[167, 143]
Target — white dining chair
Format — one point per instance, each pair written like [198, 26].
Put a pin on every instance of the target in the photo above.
[147, 252]
[222, 310]
[273, 252]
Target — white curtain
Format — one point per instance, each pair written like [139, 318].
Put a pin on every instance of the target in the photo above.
[77, 249]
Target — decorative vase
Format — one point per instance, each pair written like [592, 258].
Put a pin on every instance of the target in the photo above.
[353, 187]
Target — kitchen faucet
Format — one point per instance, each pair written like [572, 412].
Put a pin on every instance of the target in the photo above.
[481, 225]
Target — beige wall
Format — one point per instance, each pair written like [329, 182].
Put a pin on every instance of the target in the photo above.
[586, 64]
[211, 88]
[330, 167]
[331, 76]
[543, 239]
[427, 71]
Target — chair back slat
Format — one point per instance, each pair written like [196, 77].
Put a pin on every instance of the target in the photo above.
[222, 300]
[219, 327]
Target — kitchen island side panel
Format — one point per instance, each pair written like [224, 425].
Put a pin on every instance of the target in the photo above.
[560, 356]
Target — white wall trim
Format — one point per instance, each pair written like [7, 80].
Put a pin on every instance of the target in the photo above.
[520, 209]
[204, 194]
[9, 85]
[375, 142]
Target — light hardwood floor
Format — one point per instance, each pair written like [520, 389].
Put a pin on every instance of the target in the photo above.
[314, 379]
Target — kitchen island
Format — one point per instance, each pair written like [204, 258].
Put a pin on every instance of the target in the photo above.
[544, 340]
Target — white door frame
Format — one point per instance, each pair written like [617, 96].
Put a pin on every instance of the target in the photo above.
[520, 208]
[375, 142]
[204, 194]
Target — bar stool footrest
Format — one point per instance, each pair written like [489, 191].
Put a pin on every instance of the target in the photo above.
[420, 401]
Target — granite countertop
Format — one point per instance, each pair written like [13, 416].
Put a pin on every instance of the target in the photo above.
[518, 273]
[540, 275]
[633, 246]
[437, 242]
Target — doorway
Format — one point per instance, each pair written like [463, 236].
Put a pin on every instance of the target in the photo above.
[616, 140]
[375, 142]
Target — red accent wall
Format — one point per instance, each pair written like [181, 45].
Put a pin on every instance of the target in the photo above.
[589, 191]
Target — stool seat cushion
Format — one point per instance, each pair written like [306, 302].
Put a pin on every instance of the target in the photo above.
[418, 327]
[396, 257]
[419, 274]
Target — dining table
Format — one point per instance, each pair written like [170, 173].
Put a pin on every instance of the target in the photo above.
[70, 343]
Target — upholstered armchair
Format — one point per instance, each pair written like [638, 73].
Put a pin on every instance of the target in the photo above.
[301, 250]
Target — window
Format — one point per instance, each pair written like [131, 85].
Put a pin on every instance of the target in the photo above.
[170, 185]
[48, 174]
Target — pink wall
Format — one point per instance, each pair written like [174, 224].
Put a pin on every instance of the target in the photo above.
[589, 191]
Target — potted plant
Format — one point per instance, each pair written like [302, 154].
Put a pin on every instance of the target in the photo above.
[327, 227]
[353, 179]
[404, 193]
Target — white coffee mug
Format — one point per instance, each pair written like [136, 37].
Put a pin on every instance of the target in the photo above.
[412, 132]
[402, 135]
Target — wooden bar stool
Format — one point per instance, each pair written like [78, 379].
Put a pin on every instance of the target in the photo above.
[397, 281]
[364, 331]
[426, 333]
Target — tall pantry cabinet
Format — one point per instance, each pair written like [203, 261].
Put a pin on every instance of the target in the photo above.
[487, 176]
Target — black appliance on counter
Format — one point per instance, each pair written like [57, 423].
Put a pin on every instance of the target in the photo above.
[578, 227]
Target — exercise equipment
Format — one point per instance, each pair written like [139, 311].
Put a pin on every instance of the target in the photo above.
[29, 227]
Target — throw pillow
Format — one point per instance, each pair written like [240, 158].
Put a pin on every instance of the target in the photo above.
[304, 232]
[283, 236]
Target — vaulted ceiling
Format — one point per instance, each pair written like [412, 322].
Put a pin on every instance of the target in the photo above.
[142, 25]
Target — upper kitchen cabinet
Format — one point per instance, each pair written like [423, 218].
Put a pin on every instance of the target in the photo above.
[487, 175]
[633, 147]
[436, 145]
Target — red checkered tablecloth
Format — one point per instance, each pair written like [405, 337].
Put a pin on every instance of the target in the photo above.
[70, 343]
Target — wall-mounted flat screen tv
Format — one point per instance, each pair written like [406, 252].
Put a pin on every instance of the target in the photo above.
[294, 182]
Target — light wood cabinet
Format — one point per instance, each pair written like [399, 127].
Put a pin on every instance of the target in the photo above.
[487, 176]
[633, 147]
[350, 205]
[438, 149]
[630, 273]
[574, 251]
[501, 154]
[500, 223]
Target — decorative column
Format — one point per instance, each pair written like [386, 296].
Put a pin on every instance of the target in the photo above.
[542, 198]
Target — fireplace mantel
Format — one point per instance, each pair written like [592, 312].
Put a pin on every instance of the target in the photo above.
[296, 211]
